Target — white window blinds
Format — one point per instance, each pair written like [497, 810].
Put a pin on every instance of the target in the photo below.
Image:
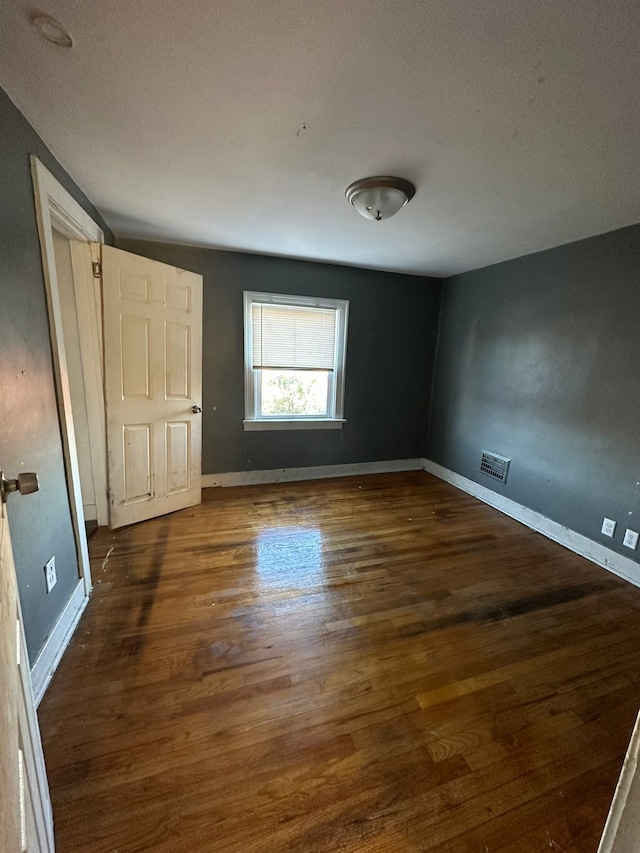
[292, 337]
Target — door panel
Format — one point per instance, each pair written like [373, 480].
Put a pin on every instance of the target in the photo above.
[135, 372]
[153, 377]
[178, 457]
[138, 461]
[26, 821]
[177, 360]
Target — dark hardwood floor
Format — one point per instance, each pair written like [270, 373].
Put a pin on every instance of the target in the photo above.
[365, 664]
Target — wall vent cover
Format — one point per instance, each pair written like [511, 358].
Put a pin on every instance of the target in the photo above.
[494, 465]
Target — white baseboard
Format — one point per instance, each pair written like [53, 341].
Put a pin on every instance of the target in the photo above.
[49, 657]
[90, 512]
[319, 472]
[594, 551]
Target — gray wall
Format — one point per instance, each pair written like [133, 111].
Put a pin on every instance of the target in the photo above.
[539, 359]
[388, 384]
[29, 428]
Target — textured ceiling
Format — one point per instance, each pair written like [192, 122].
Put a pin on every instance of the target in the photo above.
[239, 123]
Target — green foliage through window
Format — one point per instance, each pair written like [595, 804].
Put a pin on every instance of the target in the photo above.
[293, 393]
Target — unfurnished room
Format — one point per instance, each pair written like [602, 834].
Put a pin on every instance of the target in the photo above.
[319, 457]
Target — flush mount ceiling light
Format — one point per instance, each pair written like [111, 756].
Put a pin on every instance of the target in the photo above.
[50, 29]
[380, 197]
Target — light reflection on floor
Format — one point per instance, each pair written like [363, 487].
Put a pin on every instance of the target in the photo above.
[289, 557]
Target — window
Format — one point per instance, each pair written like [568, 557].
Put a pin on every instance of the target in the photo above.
[294, 350]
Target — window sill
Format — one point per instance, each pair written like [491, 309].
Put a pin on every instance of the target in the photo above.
[277, 423]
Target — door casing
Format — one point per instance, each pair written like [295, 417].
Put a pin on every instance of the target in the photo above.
[55, 206]
[26, 822]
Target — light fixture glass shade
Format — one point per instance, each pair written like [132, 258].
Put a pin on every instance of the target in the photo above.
[380, 197]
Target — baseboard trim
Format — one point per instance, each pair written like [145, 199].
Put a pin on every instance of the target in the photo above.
[49, 657]
[576, 542]
[318, 472]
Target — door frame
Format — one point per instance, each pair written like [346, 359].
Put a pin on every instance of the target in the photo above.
[55, 207]
[25, 789]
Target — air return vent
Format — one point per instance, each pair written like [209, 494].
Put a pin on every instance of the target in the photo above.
[494, 465]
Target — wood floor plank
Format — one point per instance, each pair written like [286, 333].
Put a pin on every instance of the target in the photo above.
[377, 664]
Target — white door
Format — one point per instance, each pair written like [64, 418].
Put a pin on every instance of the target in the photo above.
[26, 822]
[153, 385]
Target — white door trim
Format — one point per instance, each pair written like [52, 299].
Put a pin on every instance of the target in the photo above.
[26, 822]
[88, 295]
[55, 205]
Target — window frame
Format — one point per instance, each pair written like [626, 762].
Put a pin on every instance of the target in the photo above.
[334, 419]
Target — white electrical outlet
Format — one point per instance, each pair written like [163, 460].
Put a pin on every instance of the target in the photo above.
[50, 574]
[608, 527]
[630, 539]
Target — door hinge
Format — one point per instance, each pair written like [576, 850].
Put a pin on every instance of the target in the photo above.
[97, 269]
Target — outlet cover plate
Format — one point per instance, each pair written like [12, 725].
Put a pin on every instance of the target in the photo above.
[630, 539]
[50, 575]
[608, 527]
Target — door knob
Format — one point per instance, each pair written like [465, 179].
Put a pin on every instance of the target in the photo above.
[196, 410]
[26, 484]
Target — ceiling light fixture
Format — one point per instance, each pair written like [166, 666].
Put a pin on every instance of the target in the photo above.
[380, 197]
[50, 29]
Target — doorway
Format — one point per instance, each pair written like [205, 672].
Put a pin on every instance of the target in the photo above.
[77, 379]
[57, 210]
